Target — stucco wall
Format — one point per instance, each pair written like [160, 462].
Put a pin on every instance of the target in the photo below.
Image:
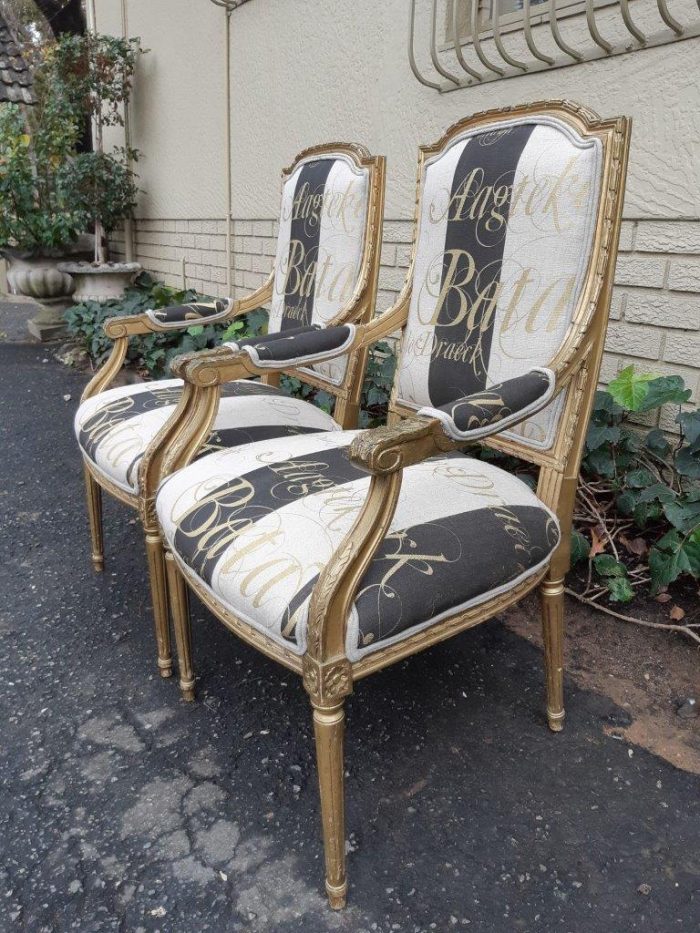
[311, 71]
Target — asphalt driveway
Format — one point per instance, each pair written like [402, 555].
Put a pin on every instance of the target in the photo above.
[124, 809]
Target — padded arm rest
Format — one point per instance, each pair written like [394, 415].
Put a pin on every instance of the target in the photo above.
[179, 316]
[297, 346]
[494, 409]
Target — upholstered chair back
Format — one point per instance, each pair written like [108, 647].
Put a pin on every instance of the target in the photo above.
[504, 242]
[320, 247]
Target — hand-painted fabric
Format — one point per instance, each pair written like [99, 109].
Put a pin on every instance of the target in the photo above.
[496, 408]
[257, 525]
[319, 248]
[179, 316]
[503, 246]
[115, 427]
[298, 346]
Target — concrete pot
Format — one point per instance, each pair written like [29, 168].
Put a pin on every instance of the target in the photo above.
[37, 277]
[100, 281]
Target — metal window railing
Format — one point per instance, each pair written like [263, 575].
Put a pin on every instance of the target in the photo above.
[535, 39]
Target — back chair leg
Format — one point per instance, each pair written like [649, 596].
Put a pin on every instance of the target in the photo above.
[552, 594]
[329, 726]
[159, 601]
[180, 606]
[93, 493]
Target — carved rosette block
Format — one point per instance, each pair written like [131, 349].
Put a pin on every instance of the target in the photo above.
[327, 683]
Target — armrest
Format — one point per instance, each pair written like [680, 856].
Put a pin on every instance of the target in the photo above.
[133, 324]
[494, 409]
[390, 449]
[204, 312]
[175, 317]
[298, 346]
[259, 355]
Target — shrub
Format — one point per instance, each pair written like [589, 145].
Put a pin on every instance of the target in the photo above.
[151, 353]
[638, 511]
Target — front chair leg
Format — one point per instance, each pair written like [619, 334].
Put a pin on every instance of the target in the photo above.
[552, 594]
[180, 606]
[93, 493]
[159, 601]
[329, 726]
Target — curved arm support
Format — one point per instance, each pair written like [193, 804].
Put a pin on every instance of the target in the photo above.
[109, 369]
[175, 445]
[131, 325]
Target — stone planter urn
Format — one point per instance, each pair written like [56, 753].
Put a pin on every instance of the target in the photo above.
[37, 276]
[100, 281]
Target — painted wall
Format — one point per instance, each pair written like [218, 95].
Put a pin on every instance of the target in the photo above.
[309, 71]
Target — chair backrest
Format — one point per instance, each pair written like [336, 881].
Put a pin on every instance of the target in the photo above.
[512, 211]
[328, 243]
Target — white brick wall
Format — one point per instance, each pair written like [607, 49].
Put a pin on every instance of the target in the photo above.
[655, 313]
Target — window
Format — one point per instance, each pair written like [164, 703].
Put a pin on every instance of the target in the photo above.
[510, 14]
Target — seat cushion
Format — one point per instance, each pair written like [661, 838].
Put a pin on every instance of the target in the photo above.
[115, 427]
[256, 525]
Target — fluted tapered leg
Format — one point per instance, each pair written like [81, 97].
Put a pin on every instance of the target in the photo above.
[329, 726]
[552, 594]
[159, 601]
[180, 608]
[93, 494]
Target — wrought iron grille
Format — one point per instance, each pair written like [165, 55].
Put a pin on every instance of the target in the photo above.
[468, 42]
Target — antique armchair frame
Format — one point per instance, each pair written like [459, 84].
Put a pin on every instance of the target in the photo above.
[328, 674]
[347, 393]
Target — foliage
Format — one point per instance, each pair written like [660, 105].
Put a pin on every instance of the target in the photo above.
[102, 185]
[638, 508]
[36, 213]
[151, 353]
[94, 74]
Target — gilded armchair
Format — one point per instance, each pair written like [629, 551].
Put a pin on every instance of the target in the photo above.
[323, 282]
[340, 553]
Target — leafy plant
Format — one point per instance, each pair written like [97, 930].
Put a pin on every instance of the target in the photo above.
[638, 508]
[151, 353]
[36, 211]
[93, 75]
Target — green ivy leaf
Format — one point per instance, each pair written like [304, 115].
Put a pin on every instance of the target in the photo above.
[657, 492]
[664, 390]
[639, 479]
[196, 330]
[606, 566]
[630, 389]
[580, 547]
[688, 463]
[620, 590]
[683, 515]
[626, 502]
[599, 434]
[601, 461]
[690, 426]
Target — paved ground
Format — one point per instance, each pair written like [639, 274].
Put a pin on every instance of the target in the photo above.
[124, 809]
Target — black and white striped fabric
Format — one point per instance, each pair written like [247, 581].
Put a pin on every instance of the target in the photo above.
[257, 525]
[504, 241]
[190, 315]
[319, 248]
[297, 345]
[115, 427]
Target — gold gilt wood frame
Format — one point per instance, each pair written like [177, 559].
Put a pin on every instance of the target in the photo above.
[328, 674]
[358, 309]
